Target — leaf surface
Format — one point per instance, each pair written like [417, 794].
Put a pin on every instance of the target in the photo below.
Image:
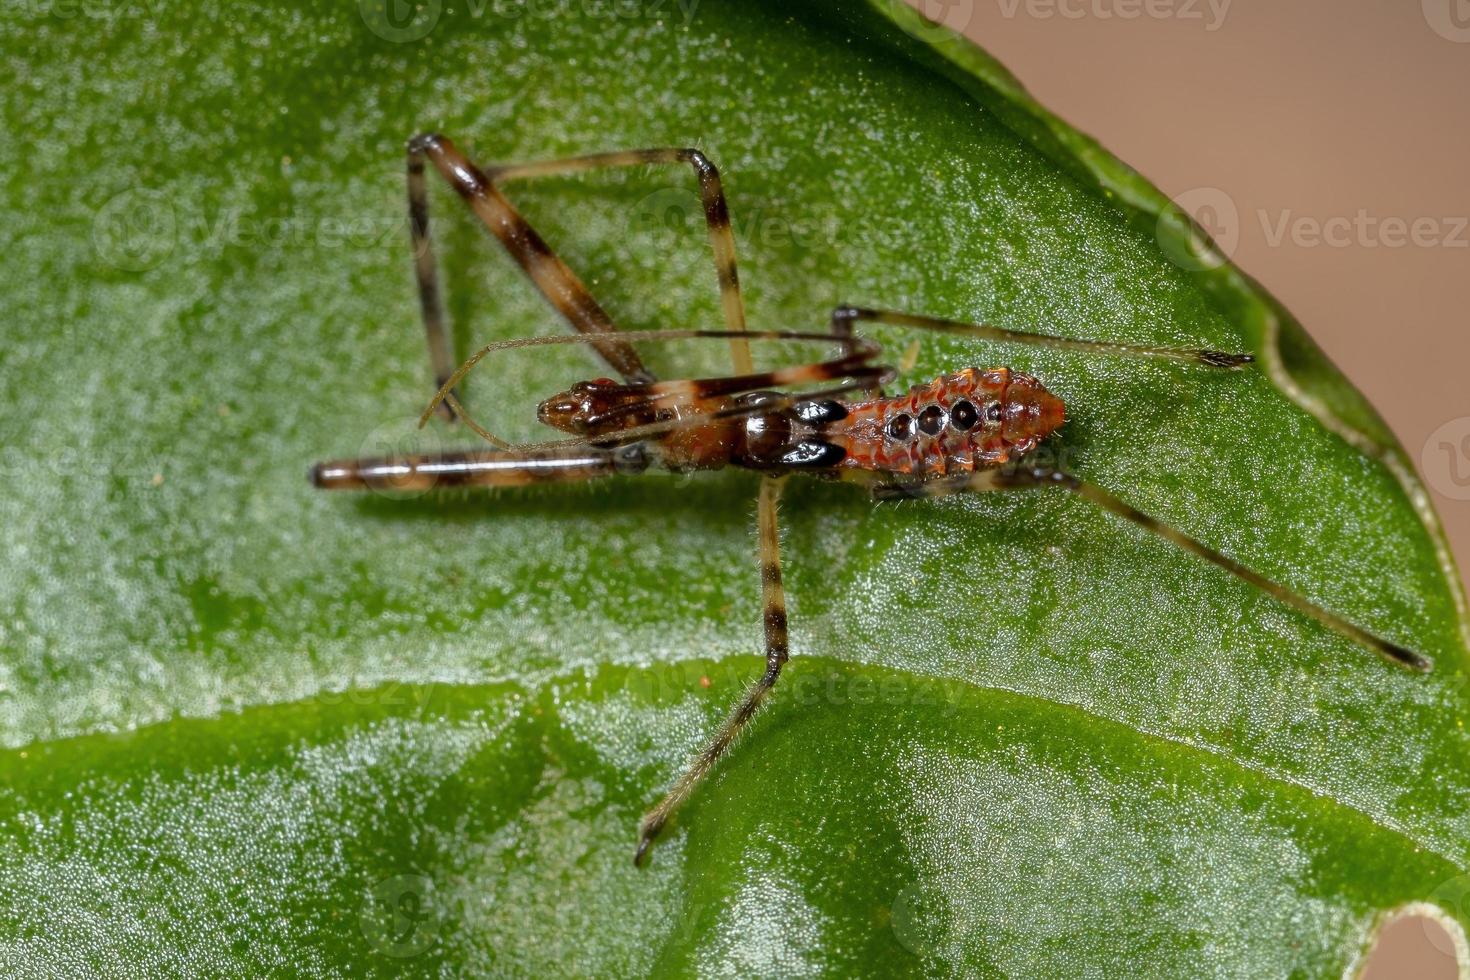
[250, 727]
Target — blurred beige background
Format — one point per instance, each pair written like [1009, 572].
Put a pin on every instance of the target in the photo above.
[1327, 146]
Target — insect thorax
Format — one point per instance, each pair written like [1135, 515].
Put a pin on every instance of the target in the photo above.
[955, 424]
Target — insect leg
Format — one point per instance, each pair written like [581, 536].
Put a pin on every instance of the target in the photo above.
[841, 328]
[712, 200]
[1023, 477]
[1207, 358]
[774, 601]
[477, 469]
[558, 283]
[426, 270]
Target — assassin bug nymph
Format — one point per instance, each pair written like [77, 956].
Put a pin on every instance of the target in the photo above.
[969, 431]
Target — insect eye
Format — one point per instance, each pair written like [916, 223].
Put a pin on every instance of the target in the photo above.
[901, 427]
[813, 454]
[820, 413]
[992, 412]
[963, 416]
[931, 420]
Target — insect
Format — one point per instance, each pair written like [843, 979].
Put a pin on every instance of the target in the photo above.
[970, 431]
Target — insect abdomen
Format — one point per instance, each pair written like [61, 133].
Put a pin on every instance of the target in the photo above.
[955, 424]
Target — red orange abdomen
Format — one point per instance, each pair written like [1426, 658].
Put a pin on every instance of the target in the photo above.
[955, 424]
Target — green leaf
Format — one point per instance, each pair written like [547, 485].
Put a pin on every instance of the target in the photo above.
[251, 728]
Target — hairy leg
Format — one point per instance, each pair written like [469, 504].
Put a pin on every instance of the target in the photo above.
[479, 187]
[1025, 477]
[774, 602]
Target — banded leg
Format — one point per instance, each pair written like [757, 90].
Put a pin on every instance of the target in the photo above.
[426, 270]
[844, 317]
[551, 275]
[774, 600]
[712, 201]
[477, 469]
[1025, 477]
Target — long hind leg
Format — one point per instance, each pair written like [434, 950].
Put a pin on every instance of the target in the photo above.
[1028, 475]
[713, 203]
[1025, 476]
[552, 277]
[556, 281]
[774, 602]
[845, 317]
